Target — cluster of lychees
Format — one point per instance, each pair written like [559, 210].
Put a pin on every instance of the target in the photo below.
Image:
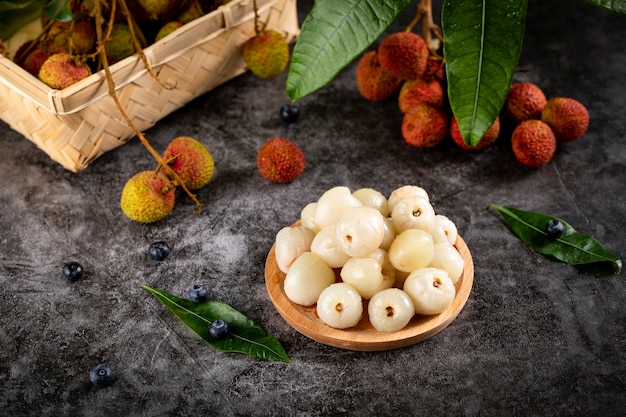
[149, 195]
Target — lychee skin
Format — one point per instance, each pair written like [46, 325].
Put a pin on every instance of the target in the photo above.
[373, 82]
[167, 28]
[280, 160]
[524, 102]
[266, 54]
[83, 37]
[403, 55]
[567, 117]
[533, 143]
[191, 161]
[35, 59]
[414, 92]
[60, 71]
[148, 197]
[490, 136]
[425, 126]
[121, 44]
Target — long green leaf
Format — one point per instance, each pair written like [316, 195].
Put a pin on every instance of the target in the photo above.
[572, 247]
[16, 14]
[616, 6]
[483, 41]
[245, 336]
[333, 34]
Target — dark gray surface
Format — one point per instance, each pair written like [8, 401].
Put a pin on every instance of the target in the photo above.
[536, 337]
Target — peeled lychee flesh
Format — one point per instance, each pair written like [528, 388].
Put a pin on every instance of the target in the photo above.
[373, 82]
[60, 71]
[147, 197]
[191, 161]
[490, 136]
[404, 55]
[524, 102]
[280, 160]
[533, 143]
[425, 126]
[419, 91]
[567, 117]
[266, 54]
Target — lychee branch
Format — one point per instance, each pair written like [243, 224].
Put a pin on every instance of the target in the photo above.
[429, 27]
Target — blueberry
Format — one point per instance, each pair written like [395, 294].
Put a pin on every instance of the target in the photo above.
[72, 271]
[101, 376]
[289, 113]
[219, 329]
[554, 229]
[158, 251]
[197, 293]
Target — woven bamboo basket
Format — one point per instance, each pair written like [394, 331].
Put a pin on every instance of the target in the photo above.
[76, 125]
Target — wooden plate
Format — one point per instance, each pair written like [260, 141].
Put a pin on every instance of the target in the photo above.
[363, 336]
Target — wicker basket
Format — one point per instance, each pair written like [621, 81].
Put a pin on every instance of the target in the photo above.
[76, 125]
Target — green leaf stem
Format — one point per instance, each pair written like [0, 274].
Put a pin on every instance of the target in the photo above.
[572, 247]
[615, 6]
[483, 41]
[245, 336]
[333, 34]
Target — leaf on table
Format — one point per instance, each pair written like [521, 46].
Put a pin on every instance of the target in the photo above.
[482, 43]
[572, 247]
[616, 6]
[332, 35]
[245, 335]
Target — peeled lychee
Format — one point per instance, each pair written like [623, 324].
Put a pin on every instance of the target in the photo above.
[280, 160]
[488, 138]
[61, 70]
[425, 126]
[266, 54]
[374, 83]
[404, 55]
[533, 143]
[191, 161]
[120, 45]
[414, 92]
[567, 117]
[524, 102]
[148, 197]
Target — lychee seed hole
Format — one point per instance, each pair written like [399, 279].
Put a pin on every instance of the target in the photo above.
[339, 307]
[437, 282]
[390, 311]
[417, 213]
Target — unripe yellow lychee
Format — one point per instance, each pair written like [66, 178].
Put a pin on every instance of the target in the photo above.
[60, 71]
[266, 54]
[191, 161]
[148, 197]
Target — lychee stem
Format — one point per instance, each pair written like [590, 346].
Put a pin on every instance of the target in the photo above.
[113, 94]
[429, 27]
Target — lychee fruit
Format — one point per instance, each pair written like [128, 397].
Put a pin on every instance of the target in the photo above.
[166, 29]
[191, 161]
[35, 59]
[533, 143]
[425, 126]
[61, 70]
[148, 197]
[567, 117]
[524, 101]
[83, 37]
[120, 45]
[435, 69]
[373, 82]
[266, 54]
[414, 92]
[488, 138]
[280, 160]
[403, 55]
[157, 8]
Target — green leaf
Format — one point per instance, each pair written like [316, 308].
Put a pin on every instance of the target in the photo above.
[16, 14]
[245, 336]
[616, 6]
[59, 10]
[573, 247]
[333, 34]
[482, 43]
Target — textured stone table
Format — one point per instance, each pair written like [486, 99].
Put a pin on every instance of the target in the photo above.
[536, 337]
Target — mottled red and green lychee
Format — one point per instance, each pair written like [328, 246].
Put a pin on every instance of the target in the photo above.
[403, 55]
[83, 37]
[266, 54]
[166, 29]
[280, 160]
[524, 102]
[61, 70]
[35, 59]
[191, 161]
[533, 143]
[490, 136]
[120, 44]
[568, 118]
[419, 91]
[148, 197]
[425, 126]
[373, 82]
[157, 8]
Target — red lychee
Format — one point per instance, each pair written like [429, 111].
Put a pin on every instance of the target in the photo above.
[373, 82]
[533, 143]
[61, 70]
[403, 55]
[266, 54]
[524, 102]
[425, 126]
[567, 117]
[147, 197]
[280, 160]
[35, 59]
[419, 91]
[191, 161]
[490, 136]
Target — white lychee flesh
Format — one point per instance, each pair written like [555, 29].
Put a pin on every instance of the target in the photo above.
[404, 192]
[340, 306]
[430, 289]
[411, 250]
[373, 198]
[360, 231]
[307, 278]
[326, 245]
[332, 204]
[390, 310]
[413, 213]
[448, 258]
[366, 276]
[291, 242]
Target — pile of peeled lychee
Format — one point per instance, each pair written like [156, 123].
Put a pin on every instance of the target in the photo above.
[404, 67]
